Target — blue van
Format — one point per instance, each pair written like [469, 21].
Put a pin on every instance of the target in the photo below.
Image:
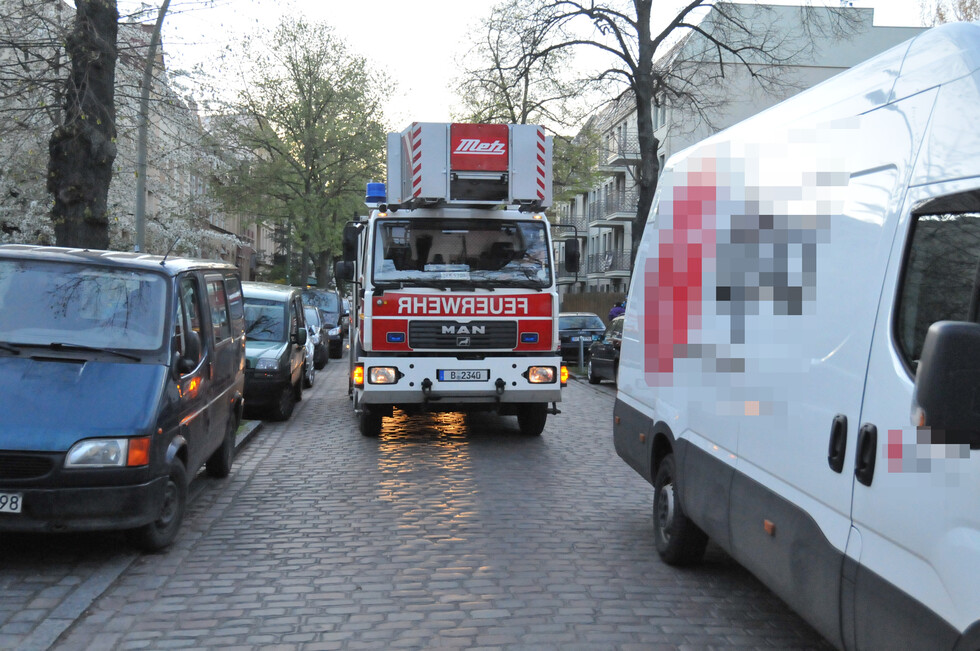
[122, 375]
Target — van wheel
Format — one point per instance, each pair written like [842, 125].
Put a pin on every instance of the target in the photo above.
[593, 378]
[531, 419]
[219, 463]
[158, 534]
[370, 423]
[679, 541]
[283, 409]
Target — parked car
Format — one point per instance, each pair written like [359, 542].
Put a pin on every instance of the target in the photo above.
[604, 353]
[345, 317]
[275, 350]
[573, 326]
[309, 365]
[122, 376]
[329, 302]
[317, 330]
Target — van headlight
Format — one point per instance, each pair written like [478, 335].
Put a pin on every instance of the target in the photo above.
[267, 364]
[98, 453]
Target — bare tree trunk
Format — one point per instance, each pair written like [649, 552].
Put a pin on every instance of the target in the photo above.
[83, 149]
[644, 87]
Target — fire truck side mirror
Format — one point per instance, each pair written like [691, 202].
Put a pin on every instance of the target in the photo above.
[351, 232]
[572, 256]
[344, 270]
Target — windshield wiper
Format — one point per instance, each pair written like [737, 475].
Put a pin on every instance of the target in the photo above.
[10, 348]
[57, 345]
[511, 282]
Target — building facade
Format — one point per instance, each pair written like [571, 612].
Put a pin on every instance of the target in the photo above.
[727, 93]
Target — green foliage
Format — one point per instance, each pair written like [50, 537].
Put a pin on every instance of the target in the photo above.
[306, 133]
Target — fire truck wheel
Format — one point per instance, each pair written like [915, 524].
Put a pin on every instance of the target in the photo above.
[369, 423]
[531, 419]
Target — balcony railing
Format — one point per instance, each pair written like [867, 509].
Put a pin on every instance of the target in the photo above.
[625, 151]
[619, 206]
[578, 221]
[610, 261]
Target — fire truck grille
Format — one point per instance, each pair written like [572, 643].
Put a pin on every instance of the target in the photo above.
[475, 335]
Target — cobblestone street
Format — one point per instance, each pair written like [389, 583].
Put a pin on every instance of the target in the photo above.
[447, 532]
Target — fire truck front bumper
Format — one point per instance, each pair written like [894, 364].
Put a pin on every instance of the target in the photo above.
[435, 380]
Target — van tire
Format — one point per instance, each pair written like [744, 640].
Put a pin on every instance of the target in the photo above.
[531, 419]
[159, 534]
[219, 463]
[370, 423]
[283, 408]
[678, 540]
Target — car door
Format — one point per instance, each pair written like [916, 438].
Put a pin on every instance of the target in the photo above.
[297, 322]
[604, 350]
[224, 367]
[916, 504]
[194, 387]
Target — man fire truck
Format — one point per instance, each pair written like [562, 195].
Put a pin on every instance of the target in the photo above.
[455, 298]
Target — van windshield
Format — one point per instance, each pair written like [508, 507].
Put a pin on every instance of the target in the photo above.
[45, 302]
[264, 320]
[461, 251]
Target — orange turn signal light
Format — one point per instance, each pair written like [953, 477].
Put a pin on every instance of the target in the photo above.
[358, 375]
[564, 375]
[139, 452]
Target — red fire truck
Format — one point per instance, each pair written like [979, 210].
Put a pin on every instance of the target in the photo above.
[455, 298]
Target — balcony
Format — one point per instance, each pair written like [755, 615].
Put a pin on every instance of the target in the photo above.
[578, 221]
[625, 152]
[611, 264]
[614, 210]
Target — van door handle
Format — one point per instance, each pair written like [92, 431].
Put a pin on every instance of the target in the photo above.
[867, 451]
[838, 443]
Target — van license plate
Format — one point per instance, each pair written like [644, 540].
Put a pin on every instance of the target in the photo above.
[463, 375]
[11, 502]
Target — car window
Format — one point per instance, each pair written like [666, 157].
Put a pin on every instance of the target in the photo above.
[581, 322]
[233, 288]
[219, 307]
[312, 316]
[264, 320]
[188, 317]
[939, 281]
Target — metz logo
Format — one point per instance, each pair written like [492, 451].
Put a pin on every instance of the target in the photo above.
[477, 146]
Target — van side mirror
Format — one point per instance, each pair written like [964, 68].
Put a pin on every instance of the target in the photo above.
[349, 239]
[947, 383]
[183, 364]
[344, 270]
[572, 256]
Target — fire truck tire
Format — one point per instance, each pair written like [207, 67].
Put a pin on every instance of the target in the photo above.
[531, 419]
[369, 423]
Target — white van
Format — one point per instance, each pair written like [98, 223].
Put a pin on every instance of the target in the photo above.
[784, 383]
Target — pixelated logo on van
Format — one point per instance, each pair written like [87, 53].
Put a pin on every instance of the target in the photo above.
[725, 250]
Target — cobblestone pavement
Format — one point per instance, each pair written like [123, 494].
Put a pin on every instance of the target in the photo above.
[447, 532]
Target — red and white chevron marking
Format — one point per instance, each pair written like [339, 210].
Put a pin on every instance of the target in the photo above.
[416, 159]
[541, 164]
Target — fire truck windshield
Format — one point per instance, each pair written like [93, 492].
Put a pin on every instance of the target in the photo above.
[478, 252]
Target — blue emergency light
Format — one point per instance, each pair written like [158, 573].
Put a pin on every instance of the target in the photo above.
[375, 195]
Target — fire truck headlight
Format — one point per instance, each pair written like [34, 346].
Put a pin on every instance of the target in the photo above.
[357, 375]
[541, 374]
[382, 375]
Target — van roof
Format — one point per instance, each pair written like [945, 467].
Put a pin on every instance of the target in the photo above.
[171, 264]
[271, 291]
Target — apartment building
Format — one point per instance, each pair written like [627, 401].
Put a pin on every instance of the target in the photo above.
[603, 217]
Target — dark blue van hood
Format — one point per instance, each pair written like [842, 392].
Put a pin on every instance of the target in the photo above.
[48, 405]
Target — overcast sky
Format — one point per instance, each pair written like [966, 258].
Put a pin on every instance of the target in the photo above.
[419, 43]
